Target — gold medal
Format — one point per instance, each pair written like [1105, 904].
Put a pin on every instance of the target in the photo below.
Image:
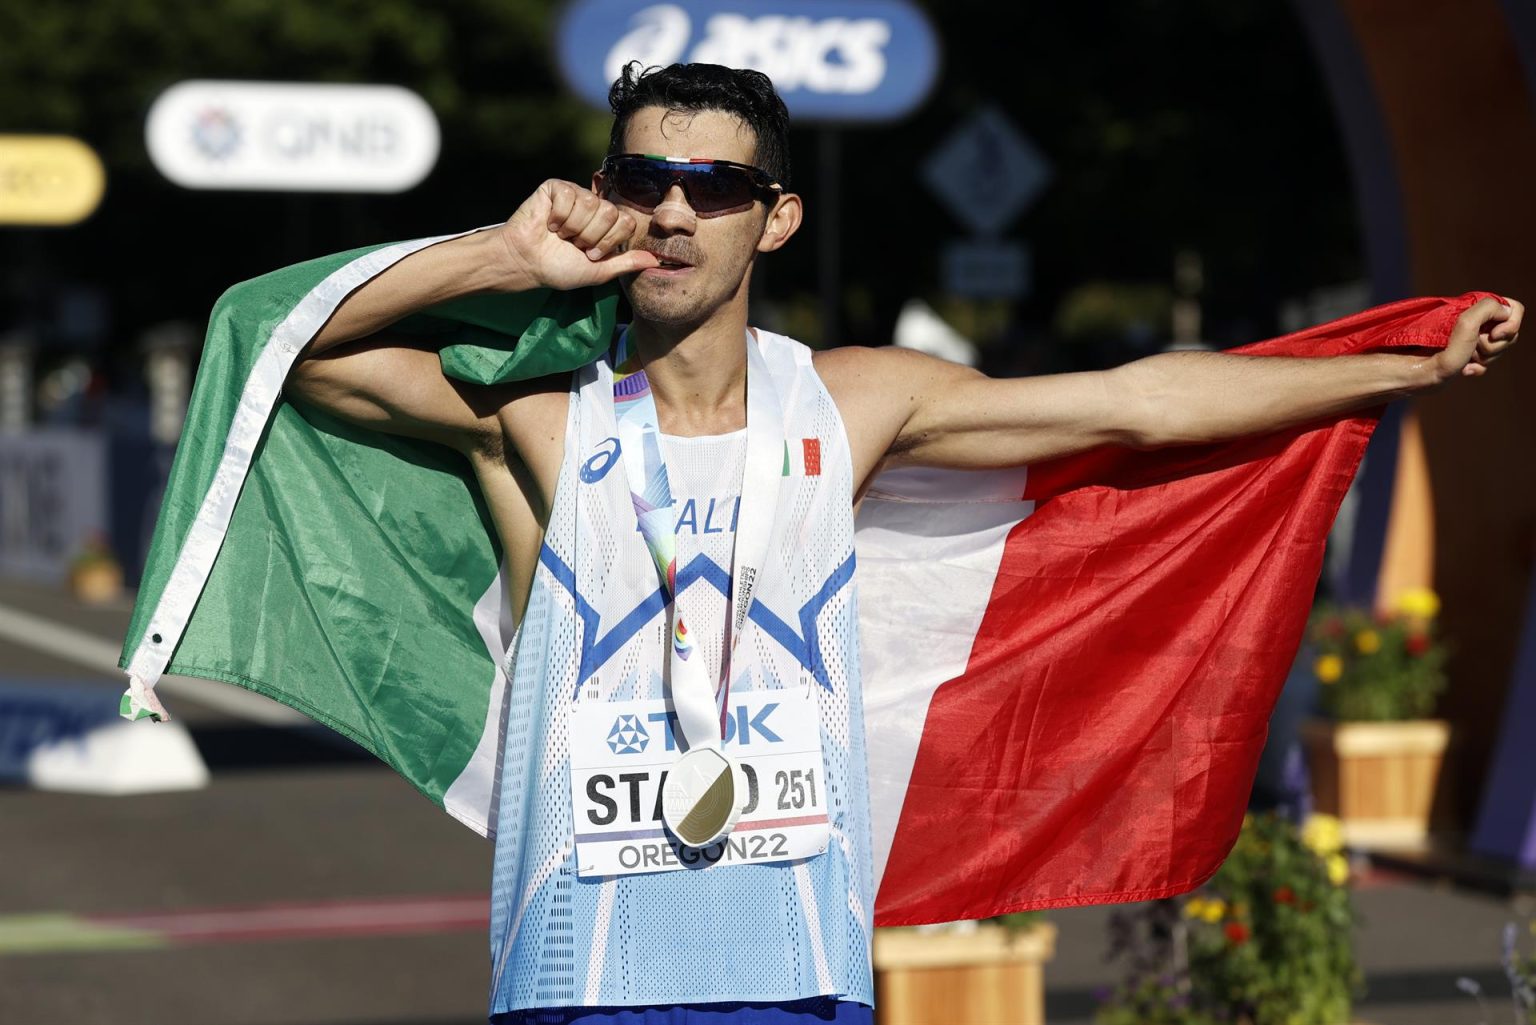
[700, 800]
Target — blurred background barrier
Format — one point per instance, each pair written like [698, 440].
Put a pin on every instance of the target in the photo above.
[55, 736]
[53, 498]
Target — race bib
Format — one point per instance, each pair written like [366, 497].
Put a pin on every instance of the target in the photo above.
[621, 752]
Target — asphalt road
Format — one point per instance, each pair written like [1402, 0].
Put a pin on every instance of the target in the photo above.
[339, 894]
[308, 885]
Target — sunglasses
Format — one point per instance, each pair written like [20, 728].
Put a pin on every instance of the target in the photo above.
[712, 186]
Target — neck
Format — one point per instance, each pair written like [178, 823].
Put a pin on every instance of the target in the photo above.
[698, 376]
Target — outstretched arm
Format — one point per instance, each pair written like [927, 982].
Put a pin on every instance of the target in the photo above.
[940, 414]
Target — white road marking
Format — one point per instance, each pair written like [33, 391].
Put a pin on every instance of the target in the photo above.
[91, 652]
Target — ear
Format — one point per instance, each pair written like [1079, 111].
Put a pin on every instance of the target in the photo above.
[597, 183]
[783, 221]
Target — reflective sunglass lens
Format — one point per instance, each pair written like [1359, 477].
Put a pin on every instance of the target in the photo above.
[637, 182]
[710, 188]
[723, 187]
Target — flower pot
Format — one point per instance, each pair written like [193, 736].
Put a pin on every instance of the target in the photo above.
[1378, 778]
[96, 582]
[984, 976]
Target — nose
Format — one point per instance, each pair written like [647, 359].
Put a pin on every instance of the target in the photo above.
[674, 215]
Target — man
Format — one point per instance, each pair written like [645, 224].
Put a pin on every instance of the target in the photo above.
[694, 189]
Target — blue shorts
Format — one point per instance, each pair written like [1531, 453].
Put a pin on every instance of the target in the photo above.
[813, 1011]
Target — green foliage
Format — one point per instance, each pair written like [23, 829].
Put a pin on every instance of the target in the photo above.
[161, 253]
[1018, 921]
[1379, 668]
[1102, 309]
[1148, 155]
[1521, 972]
[93, 69]
[1268, 941]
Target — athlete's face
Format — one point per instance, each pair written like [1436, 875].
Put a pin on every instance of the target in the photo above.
[709, 256]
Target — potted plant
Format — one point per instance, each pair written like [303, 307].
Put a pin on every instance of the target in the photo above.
[964, 973]
[1267, 941]
[1521, 971]
[95, 577]
[1376, 758]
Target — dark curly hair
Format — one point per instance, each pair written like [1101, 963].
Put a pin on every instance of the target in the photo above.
[694, 87]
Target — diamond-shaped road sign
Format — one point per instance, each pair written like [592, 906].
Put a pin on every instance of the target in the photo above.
[987, 172]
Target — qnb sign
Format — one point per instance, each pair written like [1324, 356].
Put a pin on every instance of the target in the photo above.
[855, 60]
[292, 137]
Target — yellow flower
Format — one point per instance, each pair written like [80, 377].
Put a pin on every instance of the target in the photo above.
[1206, 909]
[1328, 668]
[1367, 642]
[1338, 869]
[1323, 833]
[1418, 602]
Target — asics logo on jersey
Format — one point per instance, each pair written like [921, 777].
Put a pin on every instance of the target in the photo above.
[628, 736]
[597, 466]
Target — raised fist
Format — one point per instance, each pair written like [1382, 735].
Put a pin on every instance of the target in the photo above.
[565, 237]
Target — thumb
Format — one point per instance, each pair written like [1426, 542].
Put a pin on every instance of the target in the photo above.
[1464, 334]
[631, 262]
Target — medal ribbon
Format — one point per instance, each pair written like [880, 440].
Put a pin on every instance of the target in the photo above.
[699, 709]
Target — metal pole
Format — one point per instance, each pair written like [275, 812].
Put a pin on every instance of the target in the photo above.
[828, 252]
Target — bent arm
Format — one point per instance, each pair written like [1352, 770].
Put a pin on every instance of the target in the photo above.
[562, 237]
[387, 386]
[468, 265]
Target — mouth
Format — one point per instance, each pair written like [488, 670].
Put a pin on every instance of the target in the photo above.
[669, 268]
[670, 263]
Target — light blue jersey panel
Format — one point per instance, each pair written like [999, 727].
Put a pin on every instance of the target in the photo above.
[595, 631]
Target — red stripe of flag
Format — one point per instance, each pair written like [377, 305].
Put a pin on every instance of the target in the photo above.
[1102, 741]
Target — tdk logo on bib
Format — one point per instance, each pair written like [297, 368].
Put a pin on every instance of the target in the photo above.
[628, 736]
[743, 727]
[871, 60]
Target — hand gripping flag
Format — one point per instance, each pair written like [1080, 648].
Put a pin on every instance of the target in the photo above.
[1078, 721]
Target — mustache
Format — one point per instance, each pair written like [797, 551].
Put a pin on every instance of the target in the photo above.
[676, 249]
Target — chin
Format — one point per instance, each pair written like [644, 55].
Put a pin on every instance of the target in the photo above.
[665, 309]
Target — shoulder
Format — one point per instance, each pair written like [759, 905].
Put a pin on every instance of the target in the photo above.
[847, 361]
[887, 367]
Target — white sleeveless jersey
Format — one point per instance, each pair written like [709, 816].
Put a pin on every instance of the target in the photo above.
[596, 630]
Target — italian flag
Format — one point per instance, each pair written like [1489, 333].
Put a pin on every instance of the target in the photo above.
[802, 457]
[1068, 668]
